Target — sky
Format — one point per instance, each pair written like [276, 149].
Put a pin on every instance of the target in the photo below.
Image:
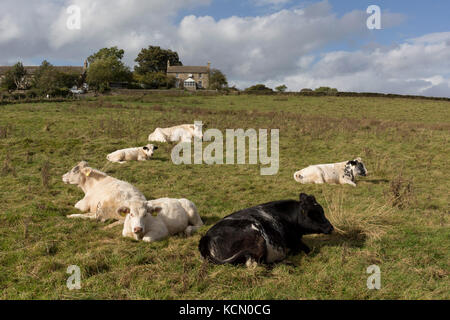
[302, 44]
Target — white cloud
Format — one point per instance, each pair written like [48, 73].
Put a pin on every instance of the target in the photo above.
[41, 32]
[421, 66]
[8, 29]
[266, 47]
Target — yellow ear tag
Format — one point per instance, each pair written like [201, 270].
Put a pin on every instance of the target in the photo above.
[88, 174]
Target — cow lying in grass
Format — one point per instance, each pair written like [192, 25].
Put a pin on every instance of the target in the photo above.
[265, 233]
[183, 133]
[104, 195]
[172, 216]
[132, 154]
[334, 173]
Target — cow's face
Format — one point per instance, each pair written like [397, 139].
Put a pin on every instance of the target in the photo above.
[74, 176]
[198, 131]
[358, 167]
[312, 217]
[136, 215]
[149, 150]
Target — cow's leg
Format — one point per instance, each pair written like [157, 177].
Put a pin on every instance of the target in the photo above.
[158, 231]
[192, 213]
[303, 247]
[258, 252]
[251, 263]
[298, 247]
[83, 205]
[157, 136]
[155, 235]
[190, 230]
[91, 216]
[350, 182]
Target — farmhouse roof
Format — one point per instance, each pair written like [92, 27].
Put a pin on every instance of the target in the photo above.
[32, 69]
[187, 69]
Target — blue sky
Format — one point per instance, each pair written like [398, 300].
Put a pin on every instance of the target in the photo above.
[297, 43]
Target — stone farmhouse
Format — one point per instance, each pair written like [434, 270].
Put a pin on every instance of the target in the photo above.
[190, 77]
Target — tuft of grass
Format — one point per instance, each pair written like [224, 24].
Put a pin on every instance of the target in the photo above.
[8, 167]
[401, 192]
[45, 174]
[5, 131]
[365, 221]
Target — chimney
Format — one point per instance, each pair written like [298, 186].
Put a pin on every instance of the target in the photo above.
[168, 64]
[209, 65]
[85, 65]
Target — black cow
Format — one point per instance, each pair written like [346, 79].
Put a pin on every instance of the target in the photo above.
[264, 233]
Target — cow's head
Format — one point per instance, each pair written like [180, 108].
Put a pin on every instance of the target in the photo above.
[149, 150]
[136, 214]
[355, 168]
[198, 130]
[312, 217]
[76, 174]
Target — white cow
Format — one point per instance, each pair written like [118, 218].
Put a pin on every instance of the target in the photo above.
[104, 195]
[173, 216]
[132, 154]
[183, 133]
[333, 173]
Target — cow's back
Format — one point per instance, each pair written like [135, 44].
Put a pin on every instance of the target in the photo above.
[110, 194]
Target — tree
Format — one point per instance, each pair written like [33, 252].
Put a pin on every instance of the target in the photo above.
[48, 80]
[105, 53]
[217, 80]
[106, 66]
[100, 74]
[15, 77]
[281, 88]
[154, 59]
[155, 80]
[8, 81]
[326, 90]
[258, 88]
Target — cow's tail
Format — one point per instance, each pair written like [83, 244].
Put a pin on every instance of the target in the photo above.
[205, 250]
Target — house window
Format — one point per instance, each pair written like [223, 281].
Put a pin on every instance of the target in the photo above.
[189, 83]
[200, 75]
[176, 75]
[200, 84]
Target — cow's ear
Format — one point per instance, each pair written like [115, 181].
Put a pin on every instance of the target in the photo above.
[86, 171]
[358, 159]
[352, 162]
[123, 211]
[83, 164]
[156, 210]
[145, 148]
[303, 197]
[312, 199]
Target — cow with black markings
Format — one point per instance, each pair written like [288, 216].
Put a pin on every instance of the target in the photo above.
[265, 233]
[333, 173]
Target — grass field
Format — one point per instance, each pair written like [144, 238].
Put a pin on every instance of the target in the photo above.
[397, 217]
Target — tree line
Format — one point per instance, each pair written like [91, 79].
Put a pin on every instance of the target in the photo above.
[106, 67]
